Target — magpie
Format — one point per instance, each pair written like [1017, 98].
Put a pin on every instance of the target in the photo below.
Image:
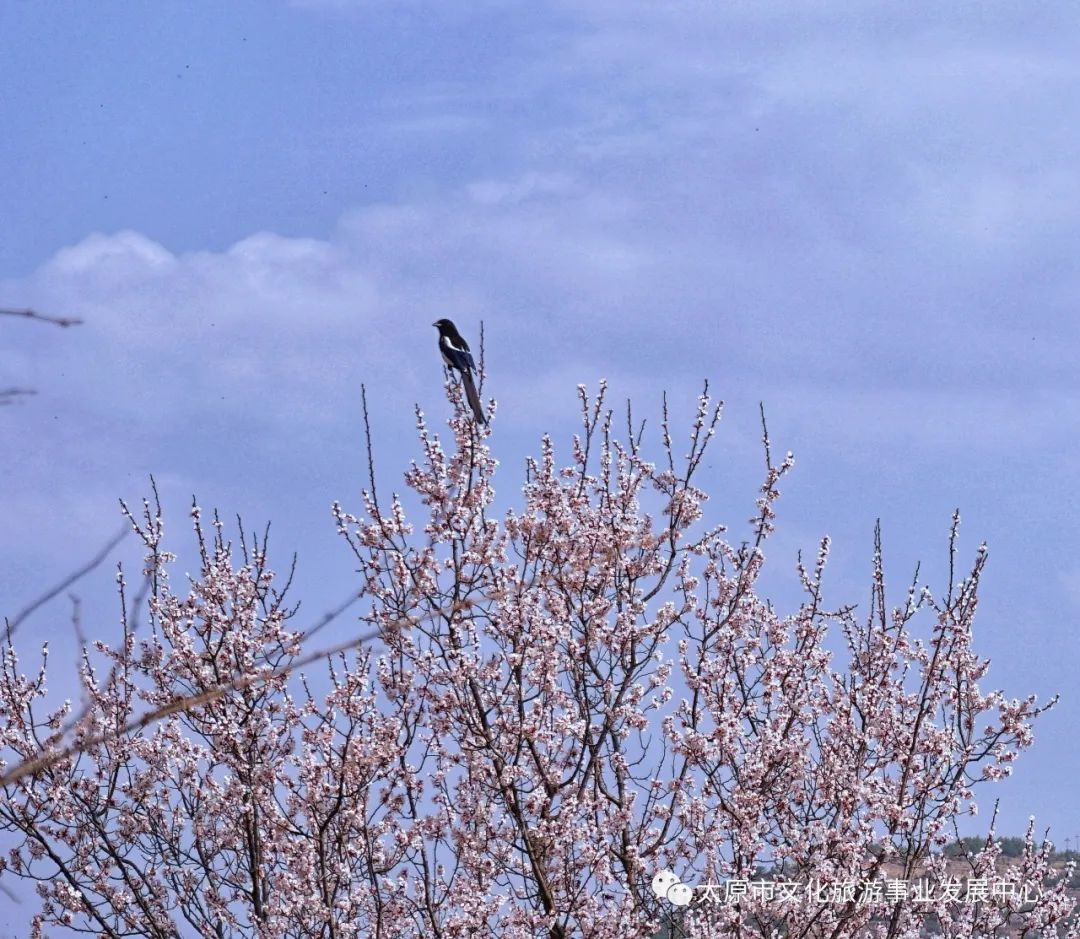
[456, 355]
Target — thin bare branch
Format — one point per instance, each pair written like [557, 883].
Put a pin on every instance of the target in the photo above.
[22, 615]
[367, 439]
[62, 321]
[330, 615]
[11, 395]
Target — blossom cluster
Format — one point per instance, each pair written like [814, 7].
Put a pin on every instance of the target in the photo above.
[885, 890]
[566, 696]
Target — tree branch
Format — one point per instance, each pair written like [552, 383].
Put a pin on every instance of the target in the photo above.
[9, 395]
[14, 624]
[62, 321]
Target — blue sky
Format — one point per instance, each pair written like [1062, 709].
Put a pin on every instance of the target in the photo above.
[864, 215]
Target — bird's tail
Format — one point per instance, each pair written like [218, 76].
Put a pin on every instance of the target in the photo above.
[474, 398]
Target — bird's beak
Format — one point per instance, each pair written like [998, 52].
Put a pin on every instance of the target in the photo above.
[434, 324]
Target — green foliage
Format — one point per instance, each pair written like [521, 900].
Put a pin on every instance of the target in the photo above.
[967, 846]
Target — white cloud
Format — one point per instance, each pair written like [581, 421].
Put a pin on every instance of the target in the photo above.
[861, 215]
[119, 256]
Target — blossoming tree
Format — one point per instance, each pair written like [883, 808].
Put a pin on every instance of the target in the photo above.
[564, 699]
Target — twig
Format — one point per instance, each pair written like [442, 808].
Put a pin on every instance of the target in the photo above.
[8, 395]
[370, 457]
[76, 619]
[14, 624]
[481, 370]
[62, 321]
[331, 615]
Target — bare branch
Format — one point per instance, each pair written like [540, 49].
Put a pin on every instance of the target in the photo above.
[11, 395]
[367, 439]
[62, 321]
[330, 615]
[22, 615]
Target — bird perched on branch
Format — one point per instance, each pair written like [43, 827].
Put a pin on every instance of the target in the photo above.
[456, 355]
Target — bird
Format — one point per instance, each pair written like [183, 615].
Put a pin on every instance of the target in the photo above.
[456, 355]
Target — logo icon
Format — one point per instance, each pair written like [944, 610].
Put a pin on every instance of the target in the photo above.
[668, 887]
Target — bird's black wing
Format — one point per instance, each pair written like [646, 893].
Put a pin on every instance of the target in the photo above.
[456, 354]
